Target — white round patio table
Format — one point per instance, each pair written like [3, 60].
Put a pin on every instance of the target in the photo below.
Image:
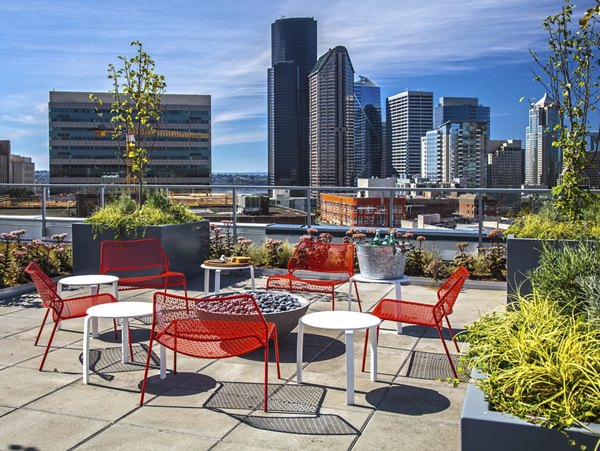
[93, 281]
[397, 285]
[113, 310]
[348, 322]
[217, 269]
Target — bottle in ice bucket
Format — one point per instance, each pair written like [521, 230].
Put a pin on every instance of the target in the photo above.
[377, 240]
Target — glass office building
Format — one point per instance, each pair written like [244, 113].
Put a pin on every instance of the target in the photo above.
[82, 149]
[293, 55]
[368, 145]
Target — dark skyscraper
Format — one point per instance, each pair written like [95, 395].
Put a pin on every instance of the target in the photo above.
[368, 150]
[293, 55]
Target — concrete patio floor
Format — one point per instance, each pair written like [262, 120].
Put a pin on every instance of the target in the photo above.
[217, 404]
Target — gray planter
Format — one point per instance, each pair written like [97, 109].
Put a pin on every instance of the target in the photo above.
[522, 257]
[380, 262]
[186, 246]
[484, 429]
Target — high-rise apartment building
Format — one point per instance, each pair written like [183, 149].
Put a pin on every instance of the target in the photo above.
[368, 142]
[23, 169]
[460, 109]
[331, 127]
[505, 160]
[542, 159]
[293, 55]
[82, 149]
[455, 153]
[409, 116]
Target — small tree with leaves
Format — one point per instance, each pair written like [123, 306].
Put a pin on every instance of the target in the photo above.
[135, 110]
[569, 72]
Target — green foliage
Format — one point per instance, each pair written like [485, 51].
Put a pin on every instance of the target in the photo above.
[541, 362]
[571, 277]
[135, 109]
[272, 253]
[125, 217]
[54, 257]
[570, 74]
[548, 223]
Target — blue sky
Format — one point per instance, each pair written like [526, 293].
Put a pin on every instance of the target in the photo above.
[470, 48]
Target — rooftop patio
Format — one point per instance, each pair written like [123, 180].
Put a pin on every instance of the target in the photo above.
[217, 404]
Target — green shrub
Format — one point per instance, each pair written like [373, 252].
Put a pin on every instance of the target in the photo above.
[571, 276]
[541, 362]
[548, 224]
[124, 216]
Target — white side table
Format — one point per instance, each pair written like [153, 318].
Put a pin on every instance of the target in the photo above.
[348, 322]
[396, 282]
[217, 269]
[113, 310]
[93, 281]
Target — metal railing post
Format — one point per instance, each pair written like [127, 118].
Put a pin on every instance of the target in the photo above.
[44, 225]
[480, 215]
[234, 215]
[391, 208]
[102, 196]
[308, 209]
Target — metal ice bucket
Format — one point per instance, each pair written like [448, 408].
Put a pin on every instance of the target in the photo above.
[380, 262]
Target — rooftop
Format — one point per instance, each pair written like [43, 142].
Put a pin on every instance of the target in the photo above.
[217, 404]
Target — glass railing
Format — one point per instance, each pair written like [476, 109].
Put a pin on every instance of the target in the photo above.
[442, 209]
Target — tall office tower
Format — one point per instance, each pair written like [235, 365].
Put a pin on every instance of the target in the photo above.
[386, 159]
[368, 143]
[431, 156]
[504, 163]
[542, 159]
[82, 149]
[331, 127]
[460, 109]
[4, 161]
[293, 55]
[23, 169]
[461, 153]
[409, 116]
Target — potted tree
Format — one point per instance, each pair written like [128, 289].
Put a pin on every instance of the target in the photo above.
[569, 73]
[134, 119]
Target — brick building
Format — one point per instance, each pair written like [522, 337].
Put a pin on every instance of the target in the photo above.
[360, 211]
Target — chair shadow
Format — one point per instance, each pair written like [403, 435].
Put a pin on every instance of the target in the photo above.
[407, 400]
[195, 382]
[416, 331]
[316, 348]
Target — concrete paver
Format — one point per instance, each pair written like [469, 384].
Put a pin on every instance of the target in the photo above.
[54, 410]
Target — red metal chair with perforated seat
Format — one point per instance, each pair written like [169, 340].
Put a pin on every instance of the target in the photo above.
[211, 328]
[61, 308]
[431, 315]
[310, 261]
[139, 264]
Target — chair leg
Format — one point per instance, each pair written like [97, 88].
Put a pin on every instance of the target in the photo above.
[42, 327]
[332, 299]
[115, 328]
[174, 362]
[439, 329]
[130, 345]
[452, 334]
[357, 295]
[266, 375]
[49, 343]
[147, 365]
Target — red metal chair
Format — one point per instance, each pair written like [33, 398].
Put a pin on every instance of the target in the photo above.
[211, 328]
[430, 315]
[61, 308]
[317, 259]
[139, 264]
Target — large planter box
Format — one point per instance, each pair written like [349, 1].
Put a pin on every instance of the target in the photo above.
[522, 257]
[484, 429]
[186, 246]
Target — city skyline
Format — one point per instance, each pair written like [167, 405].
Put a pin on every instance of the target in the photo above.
[223, 50]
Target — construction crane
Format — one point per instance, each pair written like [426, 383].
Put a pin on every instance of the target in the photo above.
[101, 132]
